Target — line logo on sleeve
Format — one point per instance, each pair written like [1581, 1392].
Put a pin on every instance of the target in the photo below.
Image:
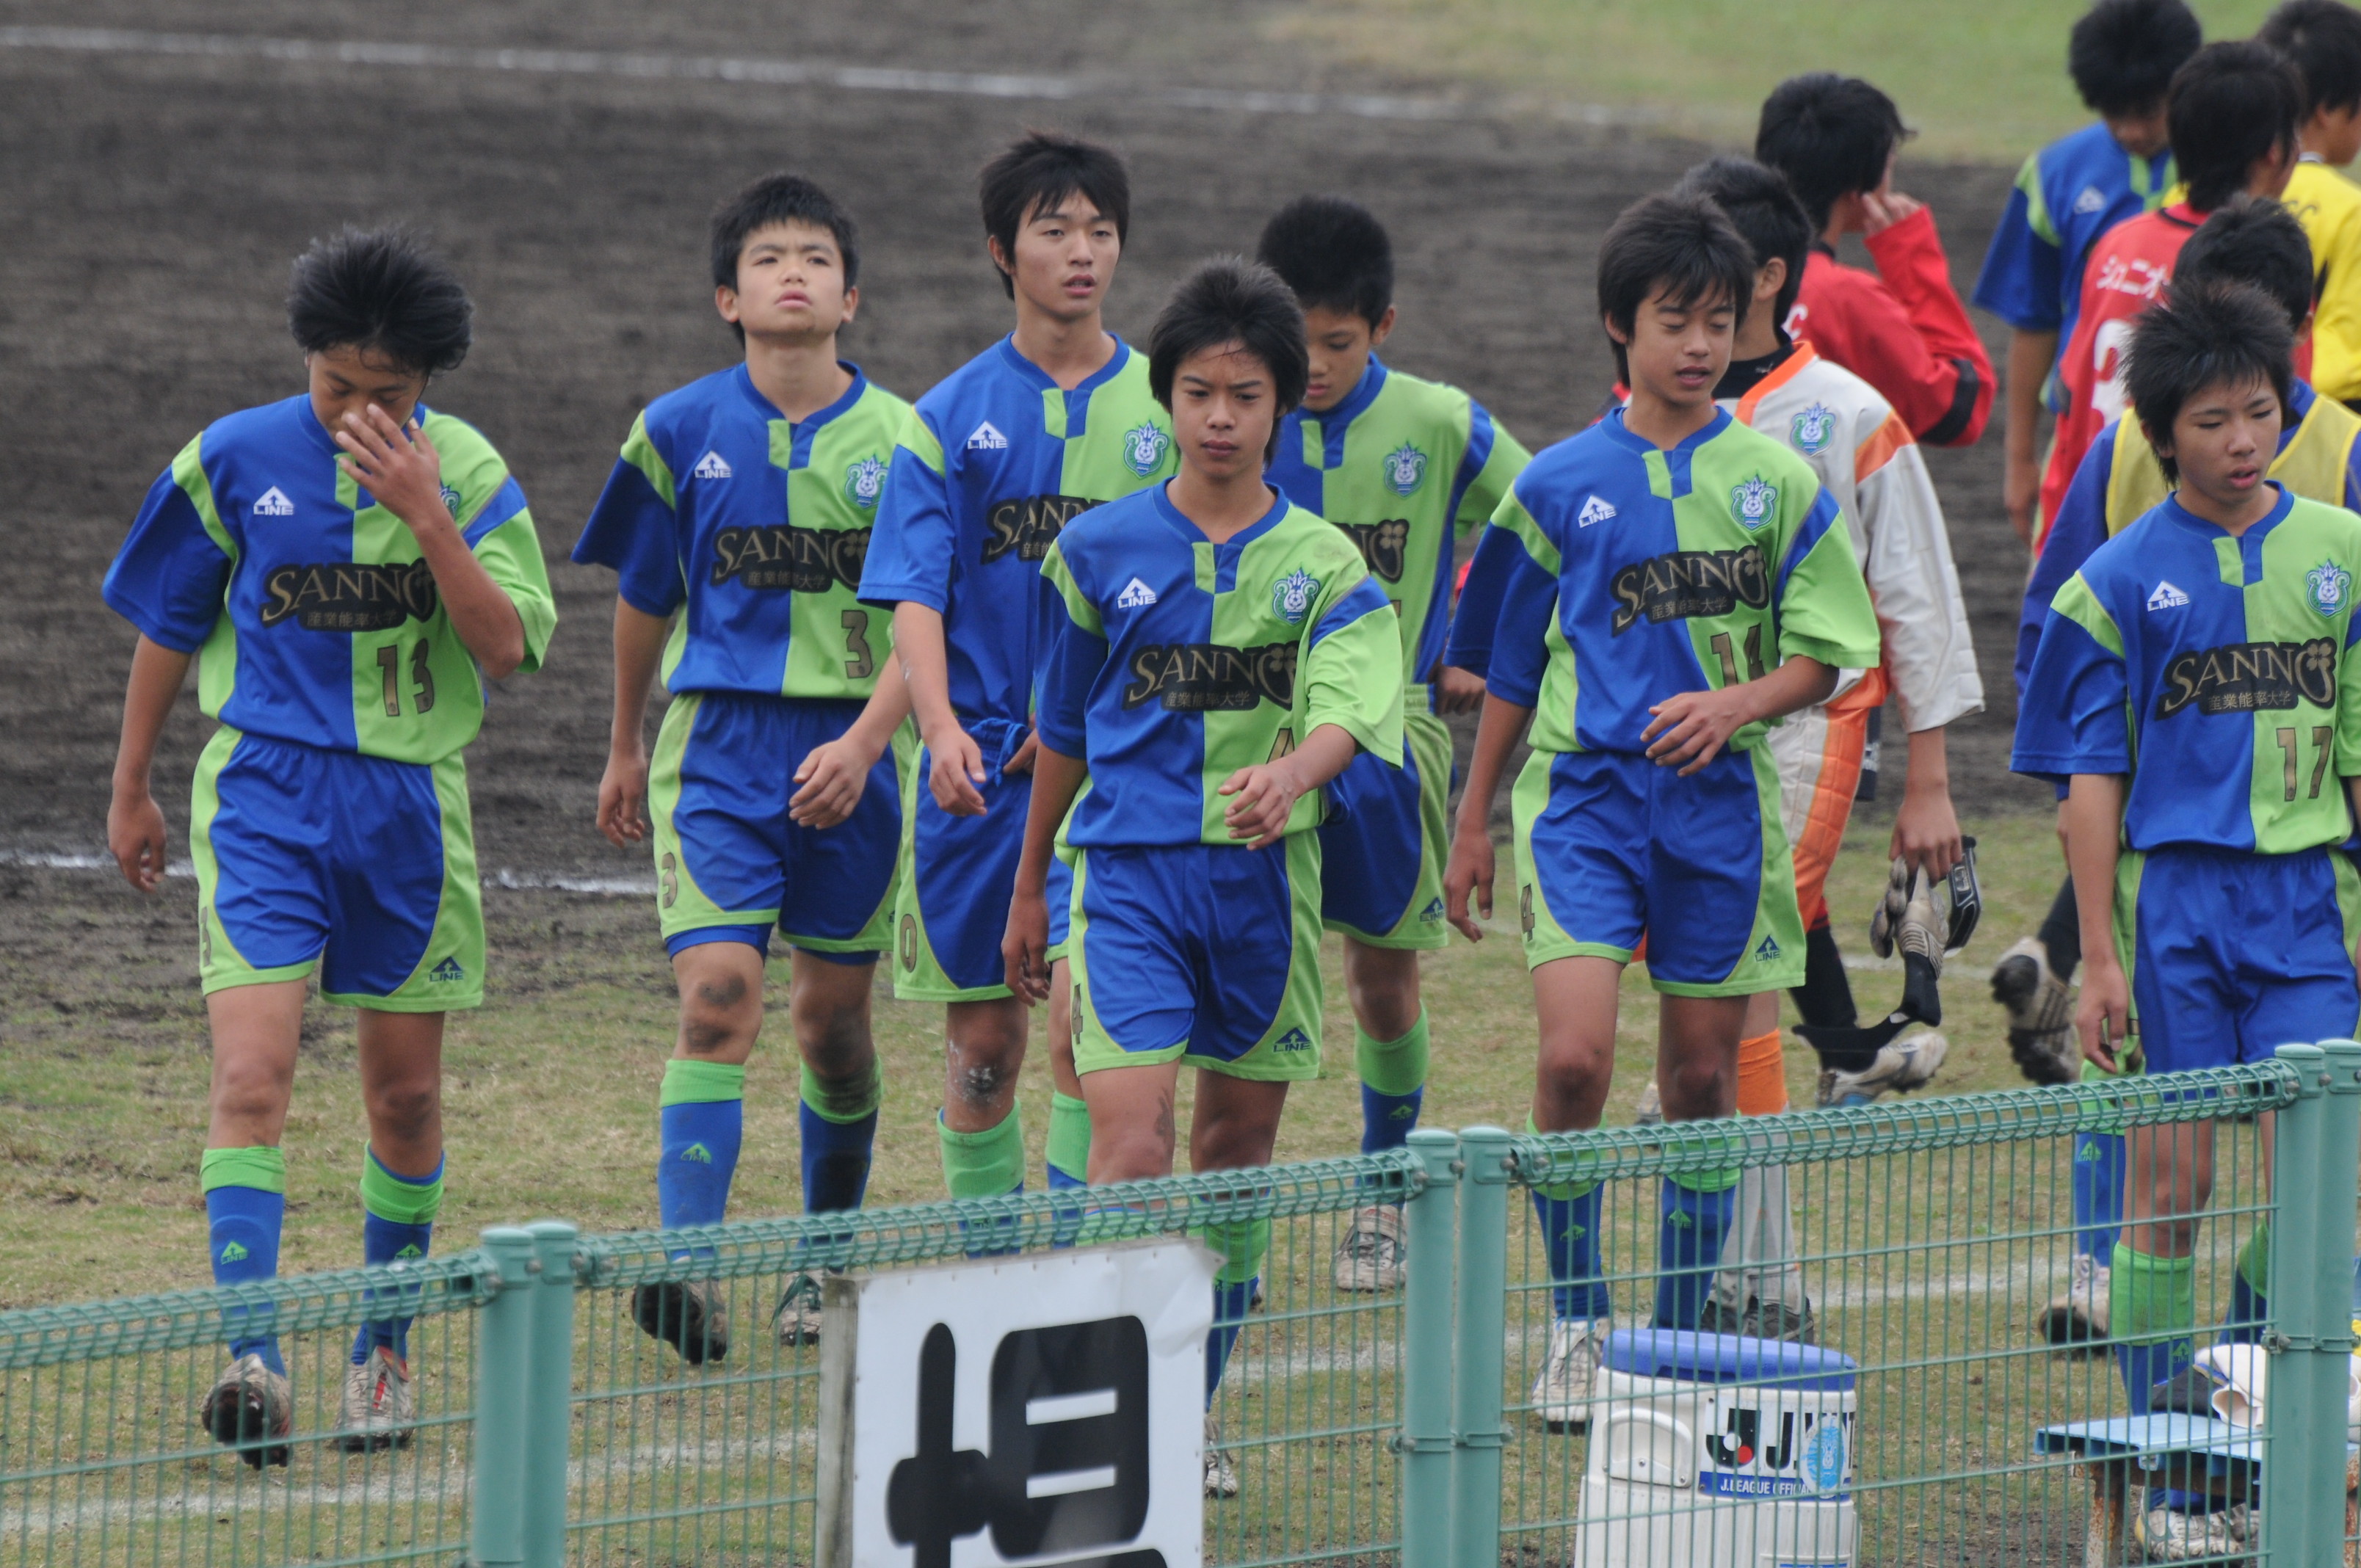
[2330, 585]
[1405, 468]
[986, 437]
[712, 466]
[273, 502]
[1135, 595]
[2167, 597]
[1144, 446]
[1594, 510]
[1752, 502]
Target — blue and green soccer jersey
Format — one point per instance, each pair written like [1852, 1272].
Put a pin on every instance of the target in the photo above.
[1403, 466]
[2067, 196]
[1177, 662]
[993, 462]
[2212, 671]
[315, 619]
[752, 529]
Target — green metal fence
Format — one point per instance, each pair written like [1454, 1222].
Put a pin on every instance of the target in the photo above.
[1393, 1428]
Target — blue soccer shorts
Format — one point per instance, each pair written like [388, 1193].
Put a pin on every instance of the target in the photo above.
[958, 874]
[1382, 854]
[1609, 845]
[730, 863]
[363, 866]
[1202, 953]
[2232, 955]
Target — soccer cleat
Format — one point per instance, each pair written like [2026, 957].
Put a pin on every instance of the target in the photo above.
[1717, 1319]
[2180, 1535]
[2078, 1316]
[2041, 1013]
[1371, 1252]
[1905, 1065]
[1221, 1476]
[1776, 1319]
[1650, 1112]
[686, 1314]
[377, 1410]
[797, 1316]
[251, 1409]
[1562, 1393]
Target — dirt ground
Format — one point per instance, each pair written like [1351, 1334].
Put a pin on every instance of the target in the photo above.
[153, 204]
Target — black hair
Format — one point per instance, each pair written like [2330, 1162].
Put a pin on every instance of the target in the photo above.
[779, 198]
[383, 292]
[1832, 136]
[1233, 300]
[1681, 245]
[1334, 253]
[2323, 39]
[2231, 106]
[2122, 53]
[1762, 207]
[2255, 241]
[2221, 334]
[1041, 170]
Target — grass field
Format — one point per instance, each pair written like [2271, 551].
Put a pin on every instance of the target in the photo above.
[1983, 81]
[550, 1088]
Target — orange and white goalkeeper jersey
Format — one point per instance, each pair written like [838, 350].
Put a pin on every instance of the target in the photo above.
[1869, 461]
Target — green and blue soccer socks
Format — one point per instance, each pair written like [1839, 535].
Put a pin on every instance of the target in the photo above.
[2151, 1318]
[1393, 1084]
[989, 1164]
[1068, 1157]
[1242, 1245]
[2098, 1192]
[2250, 1283]
[703, 1113]
[397, 1226]
[1695, 1214]
[839, 1129]
[1569, 1215]
[246, 1205]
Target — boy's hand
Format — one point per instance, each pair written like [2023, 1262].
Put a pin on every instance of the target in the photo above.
[1690, 729]
[623, 797]
[1471, 869]
[1927, 832]
[2106, 1004]
[1884, 207]
[395, 464]
[955, 772]
[1025, 948]
[135, 837]
[1265, 794]
[1457, 690]
[832, 777]
[1022, 763]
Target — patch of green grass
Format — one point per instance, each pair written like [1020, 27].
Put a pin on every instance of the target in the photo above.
[550, 1090]
[1984, 81]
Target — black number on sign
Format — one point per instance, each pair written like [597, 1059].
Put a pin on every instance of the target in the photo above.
[422, 679]
[860, 663]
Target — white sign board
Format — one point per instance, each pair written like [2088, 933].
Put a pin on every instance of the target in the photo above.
[1037, 1410]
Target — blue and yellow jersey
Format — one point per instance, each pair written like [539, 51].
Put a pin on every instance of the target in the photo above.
[1176, 661]
[1641, 573]
[1403, 466]
[2328, 207]
[2214, 671]
[992, 464]
[752, 529]
[2067, 196]
[314, 618]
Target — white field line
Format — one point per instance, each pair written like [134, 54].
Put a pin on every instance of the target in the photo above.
[758, 72]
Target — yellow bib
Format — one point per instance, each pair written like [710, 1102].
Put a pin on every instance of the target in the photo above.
[2313, 464]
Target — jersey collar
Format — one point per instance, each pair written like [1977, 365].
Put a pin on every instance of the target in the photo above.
[1179, 522]
[1621, 433]
[813, 421]
[1356, 401]
[1033, 376]
[2187, 518]
[1749, 381]
[300, 406]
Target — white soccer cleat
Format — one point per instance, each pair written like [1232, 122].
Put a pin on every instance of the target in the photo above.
[1900, 1067]
[1650, 1112]
[2077, 1315]
[796, 1321]
[377, 1410]
[2175, 1535]
[1371, 1254]
[1569, 1372]
[251, 1409]
[2041, 1013]
[1221, 1476]
[688, 1315]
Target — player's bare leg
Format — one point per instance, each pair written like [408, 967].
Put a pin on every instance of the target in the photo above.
[1066, 1154]
[829, 1009]
[401, 1192]
[983, 1136]
[1389, 1050]
[1575, 998]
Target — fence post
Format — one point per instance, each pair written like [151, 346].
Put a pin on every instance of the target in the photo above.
[1481, 1333]
[549, 1394]
[2329, 1253]
[1425, 1440]
[503, 1346]
[2289, 1532]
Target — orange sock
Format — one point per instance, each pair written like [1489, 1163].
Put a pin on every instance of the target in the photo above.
[1762, 1075]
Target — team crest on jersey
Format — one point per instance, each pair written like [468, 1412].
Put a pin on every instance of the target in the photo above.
[1752, 502]
[1290, 599]
[864, 481]
[1144, 446]
[1812, 429]
[451, 502]
[2330, 585]
[1405, 467]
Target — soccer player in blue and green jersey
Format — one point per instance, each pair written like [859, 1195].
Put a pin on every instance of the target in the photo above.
[998, 458]
[736, 519]
[1404, 467]
[2216, 910]
[347, 567]
[1678, 583]
[2121, 55]
[1218, 655]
